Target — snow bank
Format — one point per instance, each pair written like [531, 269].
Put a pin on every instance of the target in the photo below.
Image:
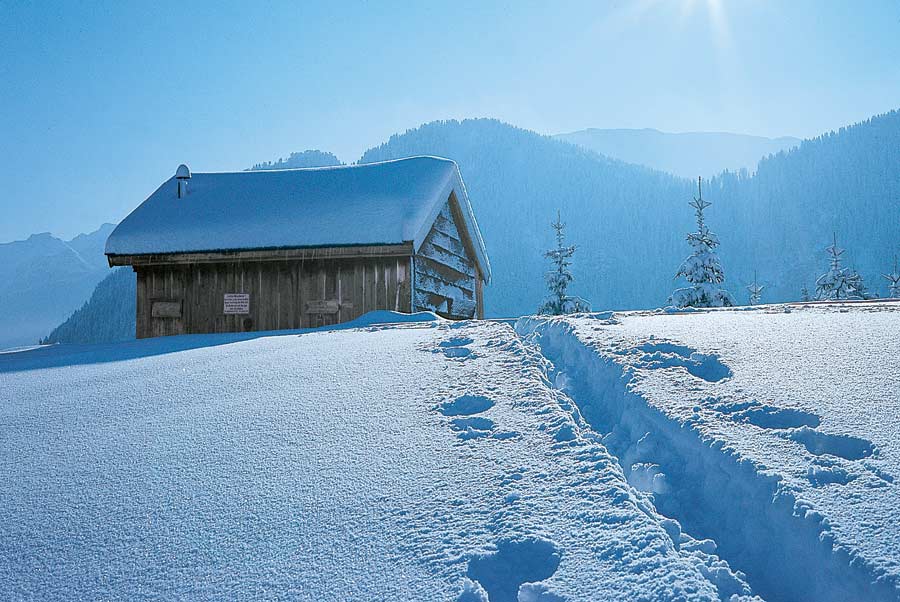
[422, 461]
[773, 434]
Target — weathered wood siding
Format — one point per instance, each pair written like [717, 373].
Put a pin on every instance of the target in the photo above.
[297, 293]
[447, 280]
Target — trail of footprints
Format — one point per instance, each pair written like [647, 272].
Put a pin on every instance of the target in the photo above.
[790, 423]
[464, 409]
[518, 563]
[801, 426]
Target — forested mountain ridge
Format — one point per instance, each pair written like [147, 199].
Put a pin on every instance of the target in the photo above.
[844, 184]
[630, 222]
[107, 317]
[307, 158]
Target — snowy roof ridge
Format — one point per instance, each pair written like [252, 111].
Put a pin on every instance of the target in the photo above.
[388, 202]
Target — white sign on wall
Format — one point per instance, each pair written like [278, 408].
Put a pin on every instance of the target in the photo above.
[237, 303]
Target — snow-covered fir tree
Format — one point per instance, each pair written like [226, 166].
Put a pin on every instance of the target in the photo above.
[804, 294]
[559, 278]
[702, 269]
[894, 281]
[755, 290]
[839, 283]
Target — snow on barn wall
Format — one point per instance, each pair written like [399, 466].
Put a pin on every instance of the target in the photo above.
[248, 251]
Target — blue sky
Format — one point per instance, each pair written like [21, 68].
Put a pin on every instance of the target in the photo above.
[99, 104]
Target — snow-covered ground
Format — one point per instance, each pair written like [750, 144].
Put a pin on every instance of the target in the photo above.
[775, 432]
[421, 461]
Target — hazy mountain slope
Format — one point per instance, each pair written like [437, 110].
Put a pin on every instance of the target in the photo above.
[630, 222]
[45, 279]
[108, 316]
[623, 217]
[688, 154]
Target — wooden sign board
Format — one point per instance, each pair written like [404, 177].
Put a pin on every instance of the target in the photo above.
[237, 304]
[323, 306]
[165, 309]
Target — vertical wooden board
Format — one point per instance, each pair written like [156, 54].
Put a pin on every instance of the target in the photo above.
[390, 272]
[276, 307]
[187, 286]
[307, 293]
[141, 326]
[403, 284]
[302, 293]
[330, 289]
[339, 289]
[359, 271]
[371, 286]
[187, 306]
[363, 287]
[260, 308]
[378, 269]
[178, 290]
[285, 285]
[295, 294]
[196, 316]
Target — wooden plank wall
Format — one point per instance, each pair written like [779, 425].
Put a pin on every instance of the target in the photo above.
[283, 294]
[445, 274]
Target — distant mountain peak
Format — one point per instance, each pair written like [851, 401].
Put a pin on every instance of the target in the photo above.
[685, 154]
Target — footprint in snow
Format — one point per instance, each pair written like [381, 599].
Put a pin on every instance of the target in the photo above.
[468, 426]
[472, 427]
[512, 572]
[770, 417]
[842, 446]
[456, 347]
[661, 354]
[825, 472]
[466, 405]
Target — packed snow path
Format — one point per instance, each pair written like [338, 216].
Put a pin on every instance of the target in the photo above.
[411, 462]
[773, 432]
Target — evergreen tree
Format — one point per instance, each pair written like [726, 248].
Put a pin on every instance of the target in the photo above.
[894, 279]
[804, 294]
[702, 269]
[839, 283]
[755, 291]
[559, 278]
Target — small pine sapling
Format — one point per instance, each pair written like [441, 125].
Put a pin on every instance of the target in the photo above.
[755, 291]
[702, 268]
[558, 302]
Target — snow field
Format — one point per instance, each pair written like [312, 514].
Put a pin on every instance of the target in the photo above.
[771, 433]
[425, 461]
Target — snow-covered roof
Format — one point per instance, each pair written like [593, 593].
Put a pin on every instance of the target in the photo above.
[391, 202]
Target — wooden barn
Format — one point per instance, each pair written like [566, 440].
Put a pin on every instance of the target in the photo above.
[298, 248]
